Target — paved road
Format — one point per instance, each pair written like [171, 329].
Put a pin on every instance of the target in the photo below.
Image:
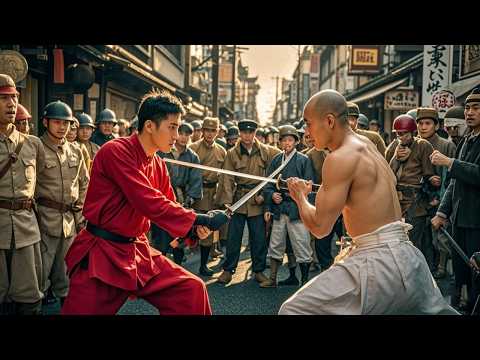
[242, 296]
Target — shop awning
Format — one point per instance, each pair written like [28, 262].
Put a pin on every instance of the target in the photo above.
[461, 87]
[378, 91]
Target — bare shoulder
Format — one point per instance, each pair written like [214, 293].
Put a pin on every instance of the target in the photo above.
[342, 163]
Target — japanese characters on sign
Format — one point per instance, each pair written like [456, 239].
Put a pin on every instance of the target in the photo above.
[436, 71]
[442, 101]
[364, 60]
[401, 100]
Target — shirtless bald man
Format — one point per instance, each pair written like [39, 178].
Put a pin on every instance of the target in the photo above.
[382, 272]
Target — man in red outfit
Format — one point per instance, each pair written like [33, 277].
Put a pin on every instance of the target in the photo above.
[111, 259]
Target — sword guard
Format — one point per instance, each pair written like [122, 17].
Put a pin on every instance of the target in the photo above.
[282, 184]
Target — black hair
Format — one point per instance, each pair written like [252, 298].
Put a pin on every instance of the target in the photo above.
[156, 106]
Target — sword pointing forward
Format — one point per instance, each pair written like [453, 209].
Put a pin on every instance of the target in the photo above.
[281, 183]
[459, 250]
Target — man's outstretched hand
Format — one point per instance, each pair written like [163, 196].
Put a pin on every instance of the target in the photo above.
[213, 220]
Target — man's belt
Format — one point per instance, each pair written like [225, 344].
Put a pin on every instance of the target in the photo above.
[63, 208]
[108, 235]
[209, 185]
[25, 204]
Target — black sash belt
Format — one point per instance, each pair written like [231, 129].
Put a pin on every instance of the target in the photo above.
[107, 235]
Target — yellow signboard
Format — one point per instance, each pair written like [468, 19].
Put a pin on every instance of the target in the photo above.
[364, 59]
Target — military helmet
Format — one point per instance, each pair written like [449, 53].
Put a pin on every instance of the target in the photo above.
[85, 120]
[197, 124]
[223, 127]
[363, 120]
[261, 132]
[286, 130]
[229, 124]
[412, 113]
[58, 110]
[273, 130]
[233, 132]
[404, 122]
[221, 141]
[107, 115]
[22, 113]
[75, 124]
[185, 127]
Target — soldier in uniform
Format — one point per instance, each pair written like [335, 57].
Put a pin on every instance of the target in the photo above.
[220, 139]
[260, 135]
[286, 218]
[427, 122]
[374, 126]
[85, 131]
[22, 119]
[352, 117]
[362, 123]
[232, 136]
[251, 157]
[186, 184]
[408, 157]
[455, 124]
[197, 130]
[20, 260]
[212, 154]
[272, 136]
[60, 193]
[72, 130]
[106, 120]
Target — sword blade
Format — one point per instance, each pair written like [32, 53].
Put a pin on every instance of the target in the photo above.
[457, 247]
[220, 171]
[252, 192]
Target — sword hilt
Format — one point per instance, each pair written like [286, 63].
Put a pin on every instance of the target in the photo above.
[282, 184]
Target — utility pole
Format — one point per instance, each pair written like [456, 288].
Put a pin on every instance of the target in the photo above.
[276, 87]
[298, 84]
[216, 60]
[234, 61]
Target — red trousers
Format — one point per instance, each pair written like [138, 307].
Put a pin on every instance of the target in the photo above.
[174, 291]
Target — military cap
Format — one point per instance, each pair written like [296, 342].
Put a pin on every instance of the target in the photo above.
[197, 124]
[455, 116]
[223, 127]
[273, 130]
[7, 85]
[261, 132]
[229, 124]
[374, 122]
[427, 113]
[353, 109]
[474, 96]
[363, 120]
[247, 124]
[232, 132]
[412, 113]
[22, 113]
[211, 123]
[286, 130]
[185, 127]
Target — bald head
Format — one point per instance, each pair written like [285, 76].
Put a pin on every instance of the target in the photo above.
[328, 101]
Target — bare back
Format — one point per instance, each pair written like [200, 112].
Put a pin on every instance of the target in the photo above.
[371, 200]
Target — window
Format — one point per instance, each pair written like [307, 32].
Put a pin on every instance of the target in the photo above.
[175, 51]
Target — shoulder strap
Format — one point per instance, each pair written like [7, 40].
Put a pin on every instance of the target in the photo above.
[13, 156]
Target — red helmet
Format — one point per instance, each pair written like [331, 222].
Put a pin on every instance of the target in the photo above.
[22, 113]
[404, 122]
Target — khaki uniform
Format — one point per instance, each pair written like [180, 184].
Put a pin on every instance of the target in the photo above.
[20, 260]
[64, 181]
[92, 150]
[409, 174]
[210, 155]
[375, 138]
[317, 157]
[233, 188]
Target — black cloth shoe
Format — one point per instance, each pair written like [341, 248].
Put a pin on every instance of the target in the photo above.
[304, 269]
[291, 280]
